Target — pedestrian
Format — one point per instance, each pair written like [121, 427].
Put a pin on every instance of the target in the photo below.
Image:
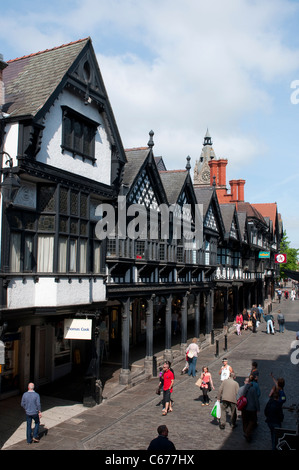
[254, 370]
[249, 413]
[239, 323]
[192, 352]
[245, 319]
[274, 415]
[168, 380]
[279, 388]
[225, 370]
[269, 320]
[254, 320]
[161, 443]
[286, 294]
[293, 294]
[280, 320]
[206, 385]
[227, 393]
[186, 366]
[260, 312]
[31, 404]
[174, 322]
[255, 384]
[279, 293]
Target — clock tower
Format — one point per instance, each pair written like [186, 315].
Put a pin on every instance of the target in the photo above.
[202, 169]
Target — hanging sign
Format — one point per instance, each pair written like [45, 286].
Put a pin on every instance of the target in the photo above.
[77, 328]
[281, 258]
[264, 254]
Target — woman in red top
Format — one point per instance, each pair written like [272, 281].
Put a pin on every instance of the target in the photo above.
[168, 379]
[206, 385]
[239, 322]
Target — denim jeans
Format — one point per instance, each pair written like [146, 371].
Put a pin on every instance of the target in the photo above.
[281, 327]
[192, 366]
[36, 427]
[270, 326]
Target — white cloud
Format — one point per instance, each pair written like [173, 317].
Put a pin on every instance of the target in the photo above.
[180, 67]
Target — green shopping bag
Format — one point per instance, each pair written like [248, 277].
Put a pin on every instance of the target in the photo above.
[216, 412]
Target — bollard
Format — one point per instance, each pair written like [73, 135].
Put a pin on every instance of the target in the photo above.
[225, 343]
[217, 348]
[154, 366]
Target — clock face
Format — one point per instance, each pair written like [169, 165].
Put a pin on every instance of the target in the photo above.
[206, 176]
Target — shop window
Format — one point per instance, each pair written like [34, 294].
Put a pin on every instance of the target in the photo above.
[62, 346]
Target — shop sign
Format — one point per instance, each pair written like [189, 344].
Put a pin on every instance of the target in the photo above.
[264, 254]
[77, 328]
[281, 258]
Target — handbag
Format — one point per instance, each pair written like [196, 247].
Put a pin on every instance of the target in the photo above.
[241, 403]
[198, 382]
[190, 354]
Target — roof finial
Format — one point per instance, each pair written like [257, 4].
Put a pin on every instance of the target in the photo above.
[188, 166]
[151, 142]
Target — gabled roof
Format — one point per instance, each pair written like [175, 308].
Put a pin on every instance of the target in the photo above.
[141, 162]
[251, 211]
[135, 159]
[31, 80]
[207, 196]
[268, 210]
[242, 218]
[173, 182]
[229, 217]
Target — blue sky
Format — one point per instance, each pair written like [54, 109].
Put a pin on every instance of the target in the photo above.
[179, 68]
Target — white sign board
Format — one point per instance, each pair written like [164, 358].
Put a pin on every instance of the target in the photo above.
[77, 329]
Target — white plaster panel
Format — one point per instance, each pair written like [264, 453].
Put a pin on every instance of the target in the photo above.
[11, 142]
[51, 152]
[48, 293]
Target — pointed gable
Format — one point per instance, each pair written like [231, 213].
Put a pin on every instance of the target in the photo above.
[141, 179]
[58, 97]
[230, 220]
[211, 210]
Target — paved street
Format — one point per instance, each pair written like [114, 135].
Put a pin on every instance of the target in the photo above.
[130, 419]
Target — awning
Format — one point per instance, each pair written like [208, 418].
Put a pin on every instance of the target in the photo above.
[292, 274]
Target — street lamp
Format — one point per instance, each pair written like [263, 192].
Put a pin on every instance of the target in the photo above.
[11, 182]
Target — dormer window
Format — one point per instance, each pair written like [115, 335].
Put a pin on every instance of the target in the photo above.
[78, 134]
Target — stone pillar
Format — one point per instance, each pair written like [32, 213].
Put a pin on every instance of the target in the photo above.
[168, 352]
[225, 313]
[125, 373]
[184, 323]
[209, 314]
[148, 362]
[197, 316]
